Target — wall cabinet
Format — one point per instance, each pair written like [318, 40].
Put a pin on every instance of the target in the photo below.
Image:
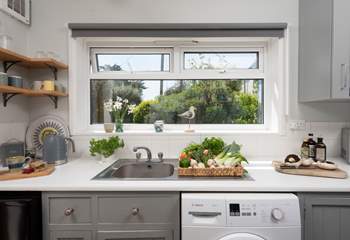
[324, 50]
[326, 216]
[111, 216]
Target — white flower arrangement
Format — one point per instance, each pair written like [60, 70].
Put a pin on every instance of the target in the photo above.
[119, 107]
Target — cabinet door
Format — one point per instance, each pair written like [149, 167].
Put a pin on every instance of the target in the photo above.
[315, 49]
[70, 235]
[341, 49]
[135, 235]
[327, 217]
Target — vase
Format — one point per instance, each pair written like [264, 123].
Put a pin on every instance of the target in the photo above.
[119, 125]
[102, 159]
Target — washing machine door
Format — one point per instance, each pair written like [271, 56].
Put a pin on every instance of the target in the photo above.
[242, 236]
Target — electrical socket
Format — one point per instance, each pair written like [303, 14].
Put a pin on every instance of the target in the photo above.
[297, 125]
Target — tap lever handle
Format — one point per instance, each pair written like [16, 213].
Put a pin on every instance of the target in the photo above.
[138, 156]
[160, 156]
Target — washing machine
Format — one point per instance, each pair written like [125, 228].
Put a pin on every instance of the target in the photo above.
[240, 216]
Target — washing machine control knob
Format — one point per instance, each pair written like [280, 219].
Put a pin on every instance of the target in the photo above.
[277, 214]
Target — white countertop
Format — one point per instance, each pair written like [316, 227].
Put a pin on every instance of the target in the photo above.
[77, 175]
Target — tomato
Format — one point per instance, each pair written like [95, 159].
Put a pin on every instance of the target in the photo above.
[183, 155]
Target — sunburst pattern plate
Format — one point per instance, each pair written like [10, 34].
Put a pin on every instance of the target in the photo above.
[43, 126]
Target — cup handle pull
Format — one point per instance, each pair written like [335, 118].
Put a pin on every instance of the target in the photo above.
[28, 160]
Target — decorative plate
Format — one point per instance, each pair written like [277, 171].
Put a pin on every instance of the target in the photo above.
[43, 126]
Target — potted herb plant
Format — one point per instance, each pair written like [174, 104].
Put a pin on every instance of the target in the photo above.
[119, 108]
[105, 148]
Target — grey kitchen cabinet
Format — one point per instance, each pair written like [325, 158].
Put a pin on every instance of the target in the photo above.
[325, 216]
[70, 235]
[111, 215]
[324, 50]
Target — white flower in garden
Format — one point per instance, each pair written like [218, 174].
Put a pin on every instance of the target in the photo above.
[131, 108]
[125, 100]
[119, 99]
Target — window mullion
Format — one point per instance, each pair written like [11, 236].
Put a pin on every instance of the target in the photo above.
[177, 60]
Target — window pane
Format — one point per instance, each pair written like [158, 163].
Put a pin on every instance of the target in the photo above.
[10, 3]
[220, 60]
[135, 62]
[23, 8]
[17, 6]
[216, 101]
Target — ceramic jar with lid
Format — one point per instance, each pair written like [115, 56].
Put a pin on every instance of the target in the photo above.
[3, 78]
[15, 81]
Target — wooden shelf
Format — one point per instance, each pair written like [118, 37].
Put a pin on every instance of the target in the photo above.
[13, 57]
[30, 92]
[10, 58]
[8, 92]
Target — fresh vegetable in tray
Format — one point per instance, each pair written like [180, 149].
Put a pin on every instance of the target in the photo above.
[212, 152]
[215, 145]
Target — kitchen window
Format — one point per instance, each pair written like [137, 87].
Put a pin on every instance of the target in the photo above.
[19, 9]
[230, 84]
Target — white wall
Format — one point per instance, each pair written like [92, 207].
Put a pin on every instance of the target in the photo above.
[49, 32]
[15, 117]
[16, 30]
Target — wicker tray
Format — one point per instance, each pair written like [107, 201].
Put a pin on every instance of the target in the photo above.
[237, 171]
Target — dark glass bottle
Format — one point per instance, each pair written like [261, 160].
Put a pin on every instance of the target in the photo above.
[312, 146]
[321, 150]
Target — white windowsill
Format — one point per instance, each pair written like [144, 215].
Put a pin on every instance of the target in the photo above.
[179, 133]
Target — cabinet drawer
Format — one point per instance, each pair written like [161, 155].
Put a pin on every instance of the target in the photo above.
[75, 210]
[70, 235]
[135, 235]
[137, 209]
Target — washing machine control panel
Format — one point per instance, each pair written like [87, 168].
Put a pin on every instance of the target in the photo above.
[244, 210]
[263, 212]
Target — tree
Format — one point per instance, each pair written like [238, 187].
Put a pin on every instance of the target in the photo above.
[248, 108]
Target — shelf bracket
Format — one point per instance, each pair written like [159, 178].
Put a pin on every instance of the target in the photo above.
[54, 71]
[54, 99]
[8, 64]
[7, 96]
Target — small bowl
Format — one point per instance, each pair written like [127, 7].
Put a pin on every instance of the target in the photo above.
[16, 163]
[109, 127]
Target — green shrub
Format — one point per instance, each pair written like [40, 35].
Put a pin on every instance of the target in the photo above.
[248, 106]
[142, 111]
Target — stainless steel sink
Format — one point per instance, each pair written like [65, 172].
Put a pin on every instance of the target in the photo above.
[131, 169]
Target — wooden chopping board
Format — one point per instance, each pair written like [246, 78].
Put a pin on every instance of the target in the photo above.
[6, 175]
[311, 171]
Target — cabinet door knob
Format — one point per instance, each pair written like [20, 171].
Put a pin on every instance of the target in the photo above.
[135, 211]
[68, 211]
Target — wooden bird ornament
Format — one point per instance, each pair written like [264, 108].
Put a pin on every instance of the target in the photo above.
[189, 115]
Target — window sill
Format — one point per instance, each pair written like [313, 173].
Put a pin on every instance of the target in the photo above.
[179, 133]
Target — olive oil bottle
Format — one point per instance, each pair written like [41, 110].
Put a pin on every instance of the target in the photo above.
[321, 150]
[304, 151]
[312, 146]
